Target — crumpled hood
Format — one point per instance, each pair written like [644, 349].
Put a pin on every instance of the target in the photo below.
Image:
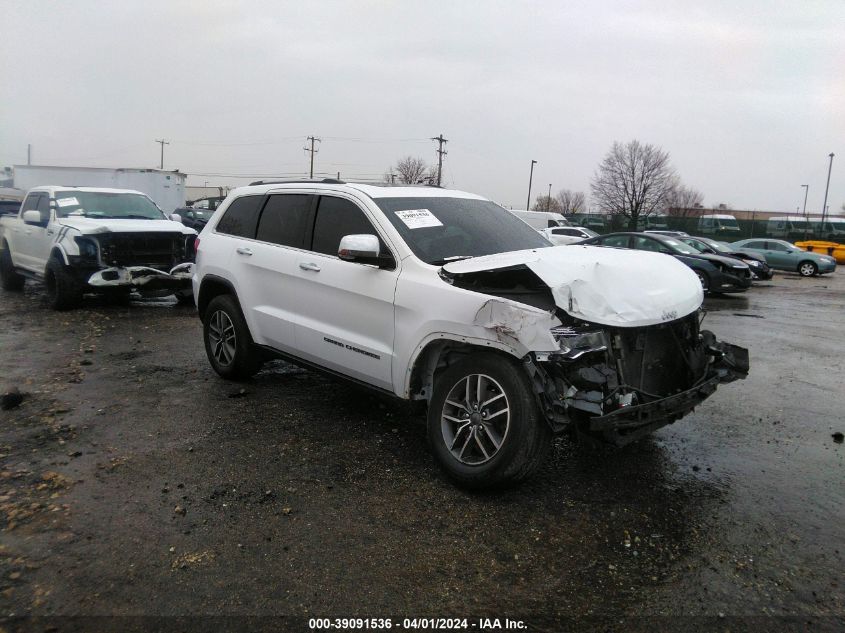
[609, 286]
[93, 226]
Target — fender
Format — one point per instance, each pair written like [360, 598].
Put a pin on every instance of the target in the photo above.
[59, 250]
[483, 343]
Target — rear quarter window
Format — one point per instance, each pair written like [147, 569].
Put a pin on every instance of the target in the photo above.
[241, 218]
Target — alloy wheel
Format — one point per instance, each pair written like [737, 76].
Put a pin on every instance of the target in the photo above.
[221, 335]
[475, 419]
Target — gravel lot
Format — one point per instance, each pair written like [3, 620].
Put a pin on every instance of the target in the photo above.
[133, 481]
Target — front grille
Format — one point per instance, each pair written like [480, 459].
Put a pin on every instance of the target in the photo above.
[158, 250]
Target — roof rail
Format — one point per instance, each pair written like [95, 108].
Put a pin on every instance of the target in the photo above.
[325, 181]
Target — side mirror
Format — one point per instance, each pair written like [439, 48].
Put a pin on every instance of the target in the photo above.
[32, 217]
[175, 217]
[363, 249]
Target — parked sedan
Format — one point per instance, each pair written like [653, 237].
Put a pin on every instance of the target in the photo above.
[781, 255]
[757, 263]
[567, 234]
[715, 272]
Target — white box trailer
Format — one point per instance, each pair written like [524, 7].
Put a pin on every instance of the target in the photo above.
[166, 188]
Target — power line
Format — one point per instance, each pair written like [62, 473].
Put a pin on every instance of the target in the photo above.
[440, 154]
[313, 151]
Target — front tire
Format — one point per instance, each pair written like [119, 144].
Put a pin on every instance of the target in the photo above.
[63, 289]
[228, 343]
[10, 278]
[484, 425]
[807, 269]
[704, 279]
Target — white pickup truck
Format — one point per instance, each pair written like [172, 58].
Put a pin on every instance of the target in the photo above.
[81, 240]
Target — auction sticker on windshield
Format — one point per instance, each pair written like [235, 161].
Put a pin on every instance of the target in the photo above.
[67, 202]
[418, 218]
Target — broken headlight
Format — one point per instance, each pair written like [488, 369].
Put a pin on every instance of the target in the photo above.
[87, 249]
[574, 342]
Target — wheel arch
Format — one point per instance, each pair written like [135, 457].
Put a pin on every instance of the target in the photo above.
[439, 351]
[214, 286]
[58, 253]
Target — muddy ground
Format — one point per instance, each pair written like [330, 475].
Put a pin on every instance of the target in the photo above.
[134, 481]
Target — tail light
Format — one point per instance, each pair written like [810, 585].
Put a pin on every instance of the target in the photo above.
[196, 246]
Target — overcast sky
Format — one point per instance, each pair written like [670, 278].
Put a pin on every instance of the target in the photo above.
[747, 97]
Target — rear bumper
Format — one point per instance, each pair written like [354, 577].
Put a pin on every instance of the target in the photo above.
[143, 278]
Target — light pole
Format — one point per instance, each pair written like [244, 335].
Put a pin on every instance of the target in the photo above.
[806, 223]
[549, 199]
[824, 206]
[530, 178]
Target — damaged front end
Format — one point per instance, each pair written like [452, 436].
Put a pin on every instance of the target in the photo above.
[619, 384]
[627, 352]
[149, 262]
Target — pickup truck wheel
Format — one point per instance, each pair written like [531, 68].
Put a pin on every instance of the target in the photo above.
[64, 291]
[10, 278]
[483, 423]
[228, 343]
[807, 269]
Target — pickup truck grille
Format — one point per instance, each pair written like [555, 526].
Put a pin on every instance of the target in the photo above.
[158, 250]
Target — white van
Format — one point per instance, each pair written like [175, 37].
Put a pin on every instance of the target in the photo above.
[833, 228]
[789, 226]
[541, 219]
[718, 224]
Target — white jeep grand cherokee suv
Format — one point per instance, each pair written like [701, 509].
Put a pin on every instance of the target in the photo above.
[438, 295]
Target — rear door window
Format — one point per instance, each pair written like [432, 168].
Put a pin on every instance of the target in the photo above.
[337, 217]
[241, 218]
[284, 219]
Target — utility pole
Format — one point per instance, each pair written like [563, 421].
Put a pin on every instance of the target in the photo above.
[29, 154]
[530, 178]
[806, 222]
[824, 205]
[313, 151]
[440, 154]
[549, 199]
[162, 142]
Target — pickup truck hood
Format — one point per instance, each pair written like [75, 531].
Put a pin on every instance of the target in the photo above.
[93, 226]
[609, 286]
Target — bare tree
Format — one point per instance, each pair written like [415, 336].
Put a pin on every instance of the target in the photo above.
[546, 203]
[682, 201]
[571, 201]
[633, 180]
[410, 171]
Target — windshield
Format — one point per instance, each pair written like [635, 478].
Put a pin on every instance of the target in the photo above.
[100, 204]
[680, 247]
[439, 230]
[589, 233]
[731, 222]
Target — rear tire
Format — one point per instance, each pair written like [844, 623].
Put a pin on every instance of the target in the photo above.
[501, 441]
[807, 269]
[228, 343]
[10, 278]
[63, 289]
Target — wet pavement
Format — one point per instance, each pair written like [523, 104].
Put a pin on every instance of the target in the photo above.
[134, 481]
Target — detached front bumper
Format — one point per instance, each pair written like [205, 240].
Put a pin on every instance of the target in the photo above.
[638, 381]
[628, 424]
[143, 278]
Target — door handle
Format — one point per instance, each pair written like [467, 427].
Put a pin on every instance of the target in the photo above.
[50, 231]
[309, 266]
[28, 232]
[243, 251]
